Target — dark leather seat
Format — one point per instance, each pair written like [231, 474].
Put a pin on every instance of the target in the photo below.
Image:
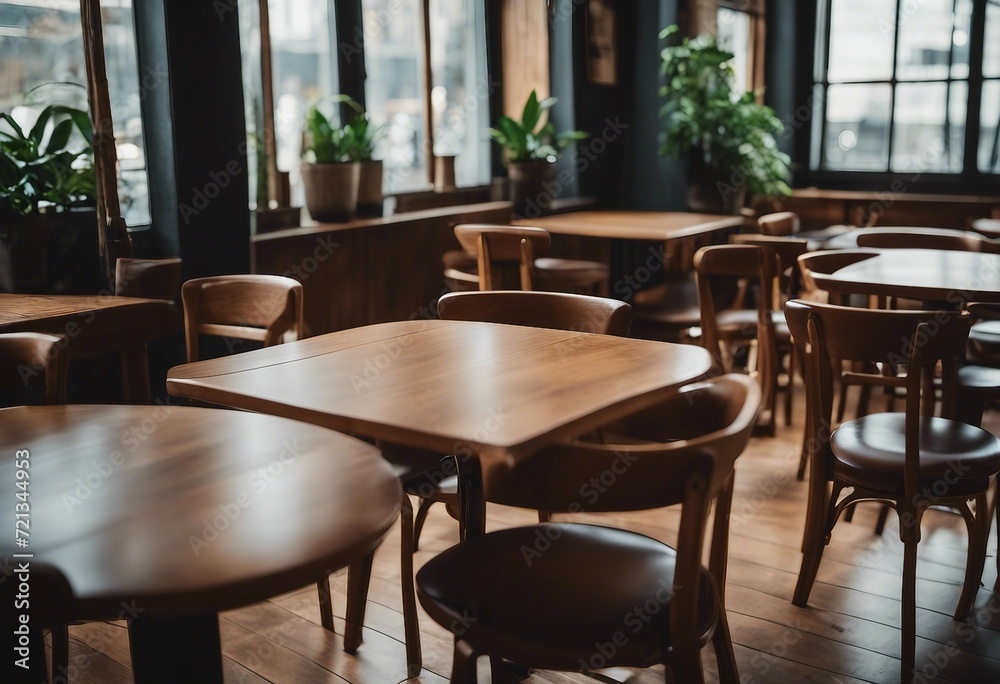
[583, 579]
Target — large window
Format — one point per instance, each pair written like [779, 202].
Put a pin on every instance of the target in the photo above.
[894, 82]
[41, 42]
[450, 114]
[739, 29]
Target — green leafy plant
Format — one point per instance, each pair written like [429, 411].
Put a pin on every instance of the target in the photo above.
[702, 114]
[39, 169]
[329, 143]
[528, 139]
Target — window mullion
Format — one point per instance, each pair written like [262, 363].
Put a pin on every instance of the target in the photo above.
[970, 165]
[425, 9]
[892, 89]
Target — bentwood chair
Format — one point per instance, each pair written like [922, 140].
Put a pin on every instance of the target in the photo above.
[783, 223]
[241, 307]
[546, 605]
[907, 238]
[148, 278]
[892, 458]
[730, 332]
[512, 257]
[554, 310]
[26, 355]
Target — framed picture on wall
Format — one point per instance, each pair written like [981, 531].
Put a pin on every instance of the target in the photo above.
[601, 28]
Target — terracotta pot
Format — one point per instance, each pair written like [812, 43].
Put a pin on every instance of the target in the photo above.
[711, 190]
[530, 187]
[370, 188]
[331, 190]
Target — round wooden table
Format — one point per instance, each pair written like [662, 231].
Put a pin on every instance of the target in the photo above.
[926, 274]
[172, 514]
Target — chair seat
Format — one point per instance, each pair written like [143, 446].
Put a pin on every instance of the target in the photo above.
[586, 581]
[980, 379]
[739, 322]
[571, 272]
[870, 452]
[689, 316]
[984, 341]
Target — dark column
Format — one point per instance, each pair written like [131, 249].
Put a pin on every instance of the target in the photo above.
[196, 139]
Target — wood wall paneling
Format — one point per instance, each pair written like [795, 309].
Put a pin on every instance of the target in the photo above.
[525, 53]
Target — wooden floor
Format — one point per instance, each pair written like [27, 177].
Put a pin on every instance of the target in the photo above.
[849, 634]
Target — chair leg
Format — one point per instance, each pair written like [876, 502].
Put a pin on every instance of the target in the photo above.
[996, 508]
[849, 513]
[790, 387]
[979, 534]
[411, 626]
[544, 516]
[724, 653]
[909, 609]
[418, 523]
[814, 539]
[60, 654]
[325, 603]
[358, 577]
[882, 517]
[463, 664]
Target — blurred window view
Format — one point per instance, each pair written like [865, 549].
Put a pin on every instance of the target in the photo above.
[893, 81]
[734, 34]
[304, 58]
[41, 53]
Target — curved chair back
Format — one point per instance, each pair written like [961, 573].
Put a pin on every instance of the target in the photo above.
[552, 310]
[780, 223]
[23, 355]
[502, 249]
[787, 249]
[248, 307]
[912, 238]
[827, 262]
[710, 424]
[148, 278]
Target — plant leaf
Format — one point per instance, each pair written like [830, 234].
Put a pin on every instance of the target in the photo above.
[60, 136]
[529, 118]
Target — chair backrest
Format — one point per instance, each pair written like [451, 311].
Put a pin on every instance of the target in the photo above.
[787, 249]
[916, 339]
[247, 307]
[553, 310]
[716, 267]
[25, 355]
[914, 238]
[713, 422]
[780, 223]
[148, 278]
[827, 262]
[502, 251]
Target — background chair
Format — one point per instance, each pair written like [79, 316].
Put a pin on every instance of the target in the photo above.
[893, 458]
[551, 310]
[25, 355]
[148, 278]
[247, 307]
[732, 331]
[784, 223]
[507, 264]
[908, 238]
[547, 609]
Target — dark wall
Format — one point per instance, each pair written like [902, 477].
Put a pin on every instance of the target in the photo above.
[620, 163]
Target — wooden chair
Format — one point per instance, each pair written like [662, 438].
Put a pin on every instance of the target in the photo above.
[506, 595]
[893, 458]
[782, 223]
[51, 605]
[511, 257]
[979, 380]
[554, 310]
[727, 331]
[24, 355]
[148, 278]
[246, 307]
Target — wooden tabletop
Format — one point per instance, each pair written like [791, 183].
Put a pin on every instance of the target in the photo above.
[634, 225]
[927, 274]
[449, 386]
[190, 510]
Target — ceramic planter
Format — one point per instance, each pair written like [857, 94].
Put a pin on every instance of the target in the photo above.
[529, 186]
[331, 190]
[370, 188]
[712, 191]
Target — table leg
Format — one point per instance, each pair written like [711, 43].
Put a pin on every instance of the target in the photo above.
[171, 650]
[472, 502]
[135, 374]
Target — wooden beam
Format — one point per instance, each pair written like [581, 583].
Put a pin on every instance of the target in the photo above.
[524, 53]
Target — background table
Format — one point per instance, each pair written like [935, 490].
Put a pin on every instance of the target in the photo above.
[499, 391]
[95, 324]
[926, 274]
[179, 513]
[657, 226]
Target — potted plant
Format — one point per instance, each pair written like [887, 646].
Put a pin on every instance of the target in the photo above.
[330, 177]
[364, 137]
[532, 148]
[48, 220]
[729, 137]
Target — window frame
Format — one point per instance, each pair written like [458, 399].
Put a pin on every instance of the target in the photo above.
[756, 11]
[968, 181]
